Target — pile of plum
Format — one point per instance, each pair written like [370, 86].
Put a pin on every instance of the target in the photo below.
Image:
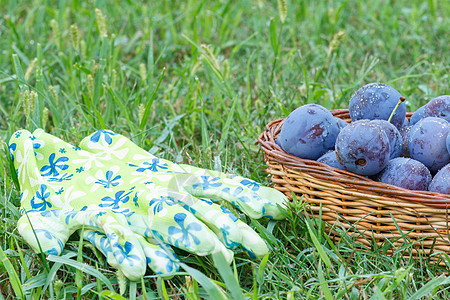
[380, 142]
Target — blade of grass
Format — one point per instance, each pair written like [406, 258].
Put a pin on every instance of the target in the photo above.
[227, 275]
[83, 268]
[323, 255]
[12, 274]
[211, 288]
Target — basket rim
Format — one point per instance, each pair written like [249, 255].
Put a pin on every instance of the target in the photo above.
[294, 165]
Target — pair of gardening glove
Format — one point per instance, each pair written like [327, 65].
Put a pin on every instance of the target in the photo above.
[132, 205]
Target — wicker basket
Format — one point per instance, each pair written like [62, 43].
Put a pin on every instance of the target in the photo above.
[370, 211]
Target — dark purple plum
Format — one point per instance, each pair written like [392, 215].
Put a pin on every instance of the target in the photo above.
[376, 101]
[417, 115]
[406, 173]
[394, 136]
[427, 143]
[309, 131]
[362, 147]
[441, 181]
[438, 107]
[330, 159]
[404, 132]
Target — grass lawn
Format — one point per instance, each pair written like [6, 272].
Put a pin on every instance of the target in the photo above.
[196, 82]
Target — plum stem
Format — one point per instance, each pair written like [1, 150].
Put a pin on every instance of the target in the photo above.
[402, 99]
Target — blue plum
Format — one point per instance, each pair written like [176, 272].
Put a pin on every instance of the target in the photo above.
[441, 181]
[404, 132]
[330, 159]
[309, 131]
[438, 107]
[362, 147]
[448, 142]
[406, 173]
[417, 115]
[394, 136]
[341, 123]
[376, 101]
[427, 143]
[405, 123]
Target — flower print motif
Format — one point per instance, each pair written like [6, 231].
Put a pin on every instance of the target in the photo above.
[100, 240]
[229, 213]
[225, 233]
[17, 135]
[62, 150]
[142, 177]
[37, 144]
[69, 195]
[183, 234]
[89, 159]
[253, 185]
[206, 201]
[188, 208]
[158, 203]
[79, 170]
[61, 178]
[25, 170]
[208, 182]
[136, 199]
[42, 194]
[115, 202]
[154, 166]
[53, 166]
[236, 193]
[119, 149]
[12, 148]
[124, 211]
[124, 253]
[50, 236]
[107, 136]
[171, 265]
[50, 213]
[157, 237]
[72, 213]
[76, 148]
[109, 181]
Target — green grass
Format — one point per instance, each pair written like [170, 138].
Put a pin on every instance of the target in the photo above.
[196, 82]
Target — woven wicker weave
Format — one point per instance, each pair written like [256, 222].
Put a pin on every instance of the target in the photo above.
[375, 209]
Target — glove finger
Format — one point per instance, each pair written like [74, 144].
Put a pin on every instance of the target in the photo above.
[100, 241]
[274, 200]
[160, 257]
[216, 189]
[44, 231]
[161, 260]
[230, 230]
[114, 238]
[170, 223]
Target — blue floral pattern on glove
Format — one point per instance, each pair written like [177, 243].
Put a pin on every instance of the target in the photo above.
[52, 168]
